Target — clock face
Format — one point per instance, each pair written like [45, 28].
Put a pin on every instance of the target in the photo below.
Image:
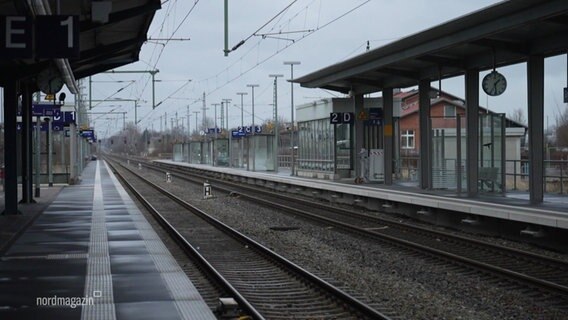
[49, 81]
[494, 83]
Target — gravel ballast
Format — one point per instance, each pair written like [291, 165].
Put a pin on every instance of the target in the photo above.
[413, 286]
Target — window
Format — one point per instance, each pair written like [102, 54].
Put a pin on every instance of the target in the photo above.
[407, 139]
[449, 111]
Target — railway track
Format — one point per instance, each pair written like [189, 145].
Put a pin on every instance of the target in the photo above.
[546, 277]
[266, 285]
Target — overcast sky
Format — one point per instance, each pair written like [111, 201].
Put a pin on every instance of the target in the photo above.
[319, 41]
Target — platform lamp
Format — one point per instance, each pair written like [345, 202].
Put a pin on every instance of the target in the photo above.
[292, 63]
[242, 127]
[252, 86]
[276, 129]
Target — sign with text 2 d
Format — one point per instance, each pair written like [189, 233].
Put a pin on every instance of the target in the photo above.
[16, 37]
[341, 117]
[57, 36]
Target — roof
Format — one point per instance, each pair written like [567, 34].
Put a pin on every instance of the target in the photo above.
[499, 35]
[103, 45]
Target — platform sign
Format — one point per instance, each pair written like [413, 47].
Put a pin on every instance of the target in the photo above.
[89, 134]
[375, 113]
[56, 36]
[43, 110]
[212, 130]
[64, 118]
[341, 117]
[257, 129]
[237, 134]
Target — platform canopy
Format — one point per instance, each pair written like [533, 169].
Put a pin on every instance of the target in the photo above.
[499, 35]
[111, 34]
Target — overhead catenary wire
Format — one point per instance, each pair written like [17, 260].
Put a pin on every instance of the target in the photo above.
[264, 25]
[245, 69]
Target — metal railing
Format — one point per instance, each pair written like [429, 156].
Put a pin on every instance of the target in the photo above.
[516, 173]
[555, 175]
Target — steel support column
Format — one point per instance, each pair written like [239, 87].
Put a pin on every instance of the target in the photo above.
[10, 148]
[359, 133]
[73, 154]
[535, 79]
[388, 141]
[472, 130]
[27, 167]
[424, 114]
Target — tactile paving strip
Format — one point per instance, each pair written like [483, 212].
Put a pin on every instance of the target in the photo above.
[189, 304]
[98, 282]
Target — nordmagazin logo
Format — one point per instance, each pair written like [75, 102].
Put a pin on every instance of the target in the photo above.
[72, 302]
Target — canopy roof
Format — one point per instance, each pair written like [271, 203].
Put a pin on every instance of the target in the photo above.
[499, 35]
[103, 45]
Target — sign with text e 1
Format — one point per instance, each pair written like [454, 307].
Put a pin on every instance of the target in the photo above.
[341, 117]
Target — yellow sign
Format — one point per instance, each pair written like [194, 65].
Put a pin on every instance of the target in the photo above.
[388, 130]
[362, 116]
[50, 97]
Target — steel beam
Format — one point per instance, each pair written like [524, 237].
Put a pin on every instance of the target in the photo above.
[10, 149]
[472, 131]
[388, 133]
[535, 80]
[424, 119]
[359, 133]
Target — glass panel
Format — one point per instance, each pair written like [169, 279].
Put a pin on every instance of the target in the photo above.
[315, 148]
[344, 147]
[221, 152]
[195, 152]
[491, 153]
[178, 152]
[445, 152]
[207, 151]
[263, 147]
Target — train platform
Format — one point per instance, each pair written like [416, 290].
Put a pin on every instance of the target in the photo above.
[88, 252]
[513, 206]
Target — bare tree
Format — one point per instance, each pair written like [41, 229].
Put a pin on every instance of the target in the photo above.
[517, 115]
[562, 129]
